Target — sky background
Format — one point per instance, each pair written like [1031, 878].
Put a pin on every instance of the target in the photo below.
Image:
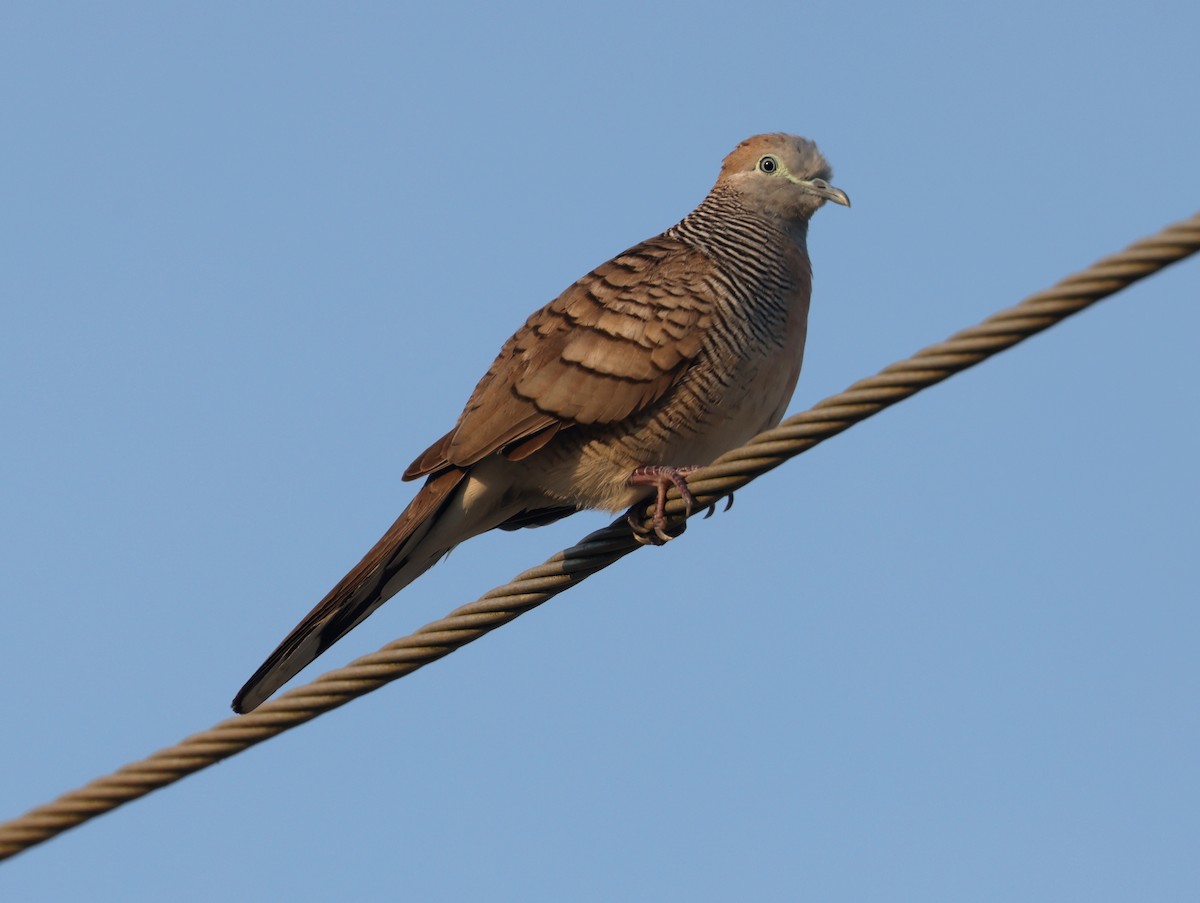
[255, 257]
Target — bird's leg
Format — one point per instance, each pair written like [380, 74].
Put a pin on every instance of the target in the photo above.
[662, 478]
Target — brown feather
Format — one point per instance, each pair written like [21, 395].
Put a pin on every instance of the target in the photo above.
[355, 596]
[522, 449]
[610, 345]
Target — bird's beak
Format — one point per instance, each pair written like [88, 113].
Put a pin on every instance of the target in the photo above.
[823, 189]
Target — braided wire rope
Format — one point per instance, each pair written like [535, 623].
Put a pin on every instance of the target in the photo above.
[599, 549]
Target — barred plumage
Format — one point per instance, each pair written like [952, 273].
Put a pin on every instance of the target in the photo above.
[673, 352]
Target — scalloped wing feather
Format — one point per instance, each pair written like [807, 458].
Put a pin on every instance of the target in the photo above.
[610, 346]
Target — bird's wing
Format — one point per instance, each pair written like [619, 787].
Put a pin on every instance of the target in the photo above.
[610, 345]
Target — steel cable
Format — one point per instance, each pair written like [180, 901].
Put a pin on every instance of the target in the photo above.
[598, 550]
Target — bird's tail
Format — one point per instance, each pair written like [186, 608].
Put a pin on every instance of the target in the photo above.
[413, 544]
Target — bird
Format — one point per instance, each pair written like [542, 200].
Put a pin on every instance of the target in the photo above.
[654, 363]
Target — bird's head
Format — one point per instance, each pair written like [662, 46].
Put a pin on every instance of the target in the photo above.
[782, 175]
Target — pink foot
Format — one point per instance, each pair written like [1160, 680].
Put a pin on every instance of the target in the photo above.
[662, 478]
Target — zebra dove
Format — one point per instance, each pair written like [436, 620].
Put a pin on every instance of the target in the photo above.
[656, 362]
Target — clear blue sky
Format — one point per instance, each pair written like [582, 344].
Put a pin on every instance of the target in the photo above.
[255, 256]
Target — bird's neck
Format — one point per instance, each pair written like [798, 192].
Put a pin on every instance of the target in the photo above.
[723, 225]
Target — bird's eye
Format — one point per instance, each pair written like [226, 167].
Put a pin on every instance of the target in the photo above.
[768, 164]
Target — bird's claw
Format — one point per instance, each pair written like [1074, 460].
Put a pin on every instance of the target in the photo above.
[662, 478]
[656, 535]
[712, 509]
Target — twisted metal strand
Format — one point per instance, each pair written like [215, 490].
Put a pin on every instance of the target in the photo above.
[600, 549]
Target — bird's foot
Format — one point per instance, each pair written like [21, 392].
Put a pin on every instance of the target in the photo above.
[662, 478]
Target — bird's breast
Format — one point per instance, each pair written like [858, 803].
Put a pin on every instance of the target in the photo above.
[739, 385]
